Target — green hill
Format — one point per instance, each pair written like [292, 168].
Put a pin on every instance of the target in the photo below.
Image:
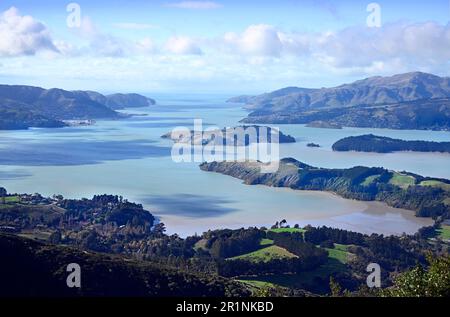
[36, 269]
[428, 197]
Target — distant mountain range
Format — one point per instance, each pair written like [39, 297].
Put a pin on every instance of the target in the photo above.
[379, 102]
[119, 101]
[22, 107]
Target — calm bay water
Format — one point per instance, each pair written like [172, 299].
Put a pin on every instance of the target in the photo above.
[129, 158]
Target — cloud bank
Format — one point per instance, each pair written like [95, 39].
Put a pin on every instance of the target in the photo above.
[182, 45]
[422, 44]
[259, 53]
[23, 35]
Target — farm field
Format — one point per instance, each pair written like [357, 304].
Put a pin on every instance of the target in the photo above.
[403, 181]
[441, 185]
[265, 254]
[444, 232]
[337, 258]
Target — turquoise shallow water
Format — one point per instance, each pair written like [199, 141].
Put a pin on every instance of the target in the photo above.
[129, 158]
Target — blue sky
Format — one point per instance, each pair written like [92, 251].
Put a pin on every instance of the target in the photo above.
[218, 46]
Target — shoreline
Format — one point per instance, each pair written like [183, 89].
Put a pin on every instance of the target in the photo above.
[361, 216]
[373, 207]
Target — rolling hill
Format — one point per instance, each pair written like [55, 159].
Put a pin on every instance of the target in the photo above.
[405, 101]
[35, 269]
[22, 107]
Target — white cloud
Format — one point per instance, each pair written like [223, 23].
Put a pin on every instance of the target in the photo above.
[103, 44]
[195, 5]
[182, 45]
[392, 47]
[87, 28]
[265, 40]
[256, 40]
[146, 46]
[23, 35]
[420, 44]
[107, 45]
[256, 56]
[65, 48]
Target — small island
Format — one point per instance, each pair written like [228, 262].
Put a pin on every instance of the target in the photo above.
[240, 136]
[380, 144]
[314, 145]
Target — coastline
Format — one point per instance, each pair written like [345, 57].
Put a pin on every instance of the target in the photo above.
[360, 216]
[76, 182]
[371, 208]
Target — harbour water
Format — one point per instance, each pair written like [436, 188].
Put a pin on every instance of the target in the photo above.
[128, 157]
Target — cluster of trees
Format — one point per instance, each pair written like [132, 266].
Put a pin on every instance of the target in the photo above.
[229, 243]
[107, 208]
[294, 243]
[105, 223]
[322, 234]
[110, 224]
[35, 269]
[393, 254]
[426, 201]
[427, 232]
[3, 194]
[308, 257]
[433, 281]
[169, 246]
[110, 212]
[239, 267]
[276, 236]
[28, 217]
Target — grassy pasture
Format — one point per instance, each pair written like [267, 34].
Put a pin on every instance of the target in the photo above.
[439, 184]
[444, 232]
[401, 180]
[265, 254]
